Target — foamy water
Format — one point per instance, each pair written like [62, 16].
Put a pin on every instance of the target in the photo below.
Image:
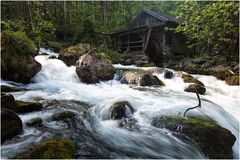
[60, 82]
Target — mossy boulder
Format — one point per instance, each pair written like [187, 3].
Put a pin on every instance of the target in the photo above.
[61, 116]
[233, 80]
[35, 122]
[141, 78]
[23, 107]
[17, 57]
[11, 124]
[8, 101]
[92, 68]
[56, 148]
[11, 89]
[190, 79]
[70, 55]
[215, 141]
[195, 88]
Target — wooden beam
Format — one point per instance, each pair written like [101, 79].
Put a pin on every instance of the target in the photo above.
[148, 37]
[131, 42]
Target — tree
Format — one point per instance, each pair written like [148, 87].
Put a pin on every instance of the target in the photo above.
[211, 27]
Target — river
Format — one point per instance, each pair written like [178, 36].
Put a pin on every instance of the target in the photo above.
[56, 81]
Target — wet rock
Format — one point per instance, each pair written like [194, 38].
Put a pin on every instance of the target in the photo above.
[52, 57]
[214, 140]
[195, 88]
[56, 148]
[168, 74]
[141, 78]
[63, 115]
[11, 124]
[35, 122]
[23, 107]
[92, 68]
[129, 124]
[11, 89]
[236, 67]
[233, 80]
[121, 110]
[190, 79]
[8, 101]
[70, 55]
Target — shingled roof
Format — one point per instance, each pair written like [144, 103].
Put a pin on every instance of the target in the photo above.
[161, 16]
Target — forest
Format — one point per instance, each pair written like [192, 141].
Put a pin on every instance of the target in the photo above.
[120, 80]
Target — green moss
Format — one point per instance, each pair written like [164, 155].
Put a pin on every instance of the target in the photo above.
[22, 107]
[10, 89]
[54, 149]
[149, 65]
[116, 56]
[73, 50]
[17, 43]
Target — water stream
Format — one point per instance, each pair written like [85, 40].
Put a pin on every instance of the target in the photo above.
[56, 81]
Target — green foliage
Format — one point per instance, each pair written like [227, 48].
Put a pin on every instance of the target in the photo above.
[210, 26]
[16, 43]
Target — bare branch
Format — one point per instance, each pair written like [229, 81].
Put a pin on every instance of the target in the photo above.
[199, 105]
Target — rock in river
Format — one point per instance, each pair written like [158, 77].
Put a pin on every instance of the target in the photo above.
[214, 140]
[141, 78]
[119, 110]
[11, 124]
[92, 68]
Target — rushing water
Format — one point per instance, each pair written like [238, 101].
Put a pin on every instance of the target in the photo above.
[56, 81]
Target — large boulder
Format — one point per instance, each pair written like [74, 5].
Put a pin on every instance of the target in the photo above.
[141, 78]
[119, 110]
[214, 140]
[17, 57]
[92, 68]
[11, 124]
[233, 80]
[70, 55]
[195, 88]
[56, 148]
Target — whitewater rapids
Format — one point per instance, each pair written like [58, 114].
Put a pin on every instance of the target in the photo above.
[56, 81]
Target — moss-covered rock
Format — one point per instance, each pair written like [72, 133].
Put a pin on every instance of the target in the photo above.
[91, 68]
[190, 79]
[35, 122]
[52, 149]
[233, 80]
[11, 124]
[195, 88]
[8, 101]
[11, 89]
[214, 140]
[63, 115]
[70, 55]
[141, 78]
[23, 107]
[17, 52]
